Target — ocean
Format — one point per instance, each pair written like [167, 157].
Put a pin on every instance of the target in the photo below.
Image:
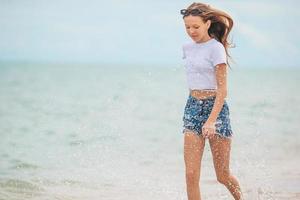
[84, 132]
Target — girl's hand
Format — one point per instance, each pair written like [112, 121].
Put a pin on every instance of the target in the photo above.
[208, 129]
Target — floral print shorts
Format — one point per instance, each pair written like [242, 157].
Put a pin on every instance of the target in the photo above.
[197, 111]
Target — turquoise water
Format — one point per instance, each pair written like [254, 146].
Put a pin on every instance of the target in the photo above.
[106, 132]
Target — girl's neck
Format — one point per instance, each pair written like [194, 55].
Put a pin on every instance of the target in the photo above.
[206, 39]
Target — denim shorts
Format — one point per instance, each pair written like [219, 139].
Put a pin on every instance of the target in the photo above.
[197, 111]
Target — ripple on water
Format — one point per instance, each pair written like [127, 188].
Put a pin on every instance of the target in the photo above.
[25, 166]
[20, 189]
[4, 155]
[103, 138]
[18, 164]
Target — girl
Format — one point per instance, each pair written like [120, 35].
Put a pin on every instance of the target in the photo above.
[206, 113]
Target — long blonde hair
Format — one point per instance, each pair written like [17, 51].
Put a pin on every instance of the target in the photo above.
[221, 24]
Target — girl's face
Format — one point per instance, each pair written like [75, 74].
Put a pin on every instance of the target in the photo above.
[196, 28]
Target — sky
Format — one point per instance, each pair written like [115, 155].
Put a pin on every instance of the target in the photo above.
[265, 33]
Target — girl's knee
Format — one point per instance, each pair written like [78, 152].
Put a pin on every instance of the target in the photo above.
[192, 176]
[223, 179]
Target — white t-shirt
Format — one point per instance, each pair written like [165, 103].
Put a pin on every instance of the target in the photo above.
[200, 60]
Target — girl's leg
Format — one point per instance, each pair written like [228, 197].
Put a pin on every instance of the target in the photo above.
[193, 151]
[220, 148]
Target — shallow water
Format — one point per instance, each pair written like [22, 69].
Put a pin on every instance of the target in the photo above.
[106, 132]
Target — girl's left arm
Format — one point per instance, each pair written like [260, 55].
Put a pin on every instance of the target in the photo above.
[221, 77]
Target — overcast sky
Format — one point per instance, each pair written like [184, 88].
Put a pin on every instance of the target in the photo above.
[266, 33]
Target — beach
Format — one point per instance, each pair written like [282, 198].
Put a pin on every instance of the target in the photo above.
[109, 132]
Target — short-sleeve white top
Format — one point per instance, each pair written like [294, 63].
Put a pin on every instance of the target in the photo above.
[200, 60]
